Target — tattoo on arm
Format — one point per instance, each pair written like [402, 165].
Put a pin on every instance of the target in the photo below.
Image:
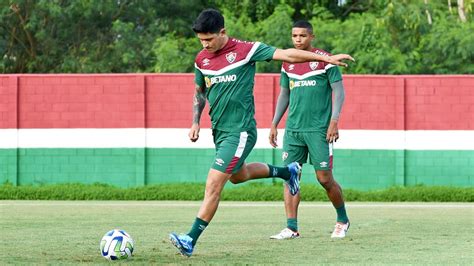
[199, 102]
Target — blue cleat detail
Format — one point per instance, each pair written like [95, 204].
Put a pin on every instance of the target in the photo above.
[294, 182]
[183, 243]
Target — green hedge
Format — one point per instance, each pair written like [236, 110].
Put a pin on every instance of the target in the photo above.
[250, 192]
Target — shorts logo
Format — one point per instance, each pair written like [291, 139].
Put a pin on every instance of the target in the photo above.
[323, 164]
[284, 155]
[291, 67]
[313, 65]
[205, 62]
[231, 57]
[219, 161]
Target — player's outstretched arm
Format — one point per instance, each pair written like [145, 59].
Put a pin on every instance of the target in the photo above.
[199, 101]
[298, 56]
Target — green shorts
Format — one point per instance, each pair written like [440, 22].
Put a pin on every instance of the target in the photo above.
[297, 145]
[232, 148]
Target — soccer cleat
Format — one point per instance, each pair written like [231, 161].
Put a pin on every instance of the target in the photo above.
[183, 243]
[286, 233]
[294, 181]
[340, 230]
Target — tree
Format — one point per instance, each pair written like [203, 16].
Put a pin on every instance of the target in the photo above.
[276, 31]
[385, 36]
[50, 36]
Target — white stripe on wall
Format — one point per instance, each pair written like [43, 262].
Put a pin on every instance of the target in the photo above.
[8, 138]
[350, 139]
[82, 138]
[178, 138]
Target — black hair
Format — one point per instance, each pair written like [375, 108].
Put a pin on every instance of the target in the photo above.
[208, 21]
[303, 24]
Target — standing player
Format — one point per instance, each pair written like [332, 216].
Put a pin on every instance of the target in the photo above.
[311, 126]
[224, 74]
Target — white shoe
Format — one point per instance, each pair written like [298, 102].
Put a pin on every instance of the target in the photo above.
[340, 230]
[286, 234]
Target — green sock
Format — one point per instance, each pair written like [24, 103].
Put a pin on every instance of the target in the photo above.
[341, 214]
[282, 172]
[198, 227]
[292, 223]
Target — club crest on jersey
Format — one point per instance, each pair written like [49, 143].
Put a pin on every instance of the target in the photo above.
[231, 57]
[205, 62]
[313, 65]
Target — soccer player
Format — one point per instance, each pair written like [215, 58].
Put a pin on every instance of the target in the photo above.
[224, 75]
[311, 126]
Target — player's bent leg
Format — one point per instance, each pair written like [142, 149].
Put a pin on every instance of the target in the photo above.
[250, 171]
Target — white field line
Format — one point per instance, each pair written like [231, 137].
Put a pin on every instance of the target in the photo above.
[232, 204]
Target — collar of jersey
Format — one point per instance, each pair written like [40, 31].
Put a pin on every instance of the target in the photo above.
[308, 74]
[231, 66]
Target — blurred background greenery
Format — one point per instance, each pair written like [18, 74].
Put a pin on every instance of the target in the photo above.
[130, 36]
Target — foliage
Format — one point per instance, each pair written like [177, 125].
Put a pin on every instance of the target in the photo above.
[385, 37]
[276, 31]
[453, 47]
[248, 192]
[176, 53]
[46, 36]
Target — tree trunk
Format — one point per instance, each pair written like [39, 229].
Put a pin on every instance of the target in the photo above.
[428, 15]
[462, 14]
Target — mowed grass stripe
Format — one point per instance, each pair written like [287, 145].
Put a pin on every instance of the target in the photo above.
[69, 233]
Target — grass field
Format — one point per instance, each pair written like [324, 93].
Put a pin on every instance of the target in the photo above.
[68, 232]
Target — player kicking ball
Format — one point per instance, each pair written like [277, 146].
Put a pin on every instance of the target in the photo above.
[311, 126]
[224, 76]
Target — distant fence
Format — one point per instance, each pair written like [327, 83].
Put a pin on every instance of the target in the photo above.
[131, 130]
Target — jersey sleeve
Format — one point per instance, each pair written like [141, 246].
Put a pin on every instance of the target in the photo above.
[284, 80]
[333, 73]
[263, 52]
[199, 77]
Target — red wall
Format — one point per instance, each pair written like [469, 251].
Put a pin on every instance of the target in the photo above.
[165, 101]
[8, 101]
